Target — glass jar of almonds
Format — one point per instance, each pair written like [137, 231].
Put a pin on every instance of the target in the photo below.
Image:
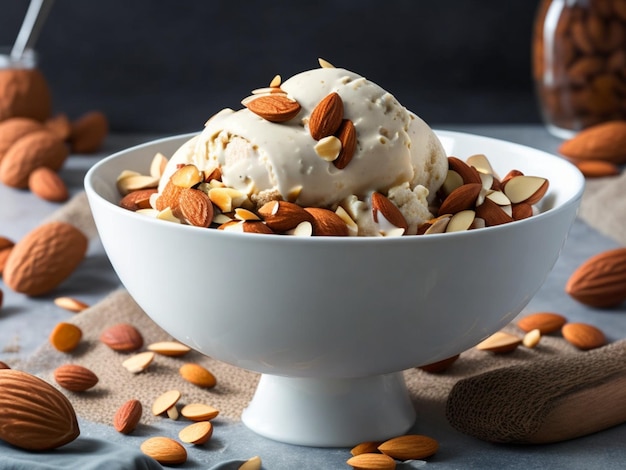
[579, 63]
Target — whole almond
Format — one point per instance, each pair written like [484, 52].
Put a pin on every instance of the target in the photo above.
[44, 258]
[25, 93]
[583, 336]
[381, 205]
[127, 416]
[88, 132]
[371, 461]
[409, 447]
[597, 168]
[139, 199]
[196, 433]
[347, 136]
[38, 148]
[326, 117]
[6, 245]
[122, 337]
[12, 129]
[65, 336]
[48, 185]
[462, 198]
[36, 416]
[365, 448]
[281, 216]
[164, 450]
[197, 375]
[545, 322]
[60, 125]
[75, 378]
[606, 141]
[274, 107]
[601, 280]
[327, 223]
[195, 207]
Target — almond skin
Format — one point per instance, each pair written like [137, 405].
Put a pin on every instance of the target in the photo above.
[409, 447]
[545, 322]
[327, 223]
[44, 258]
[75, 378]
[583, 336]
[606, 141]
[274, 107]
[468, 173]
[462, 198]
[383, 206]
[122, 337]
[326, 117]
[39, 148]
[36, 416]
[601, 280]
[195, 207]
[347, 136]
[48, 185]
[128, 416]
[139, 199]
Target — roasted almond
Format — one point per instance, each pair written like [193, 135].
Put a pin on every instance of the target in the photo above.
[36, 416]
[274, 107]
[281, 216]
[372, 461]
[195, 207]
[75, 378]
[65, 336]
[409, 447]
[383, 208]
[583, 336]
[347, 136]
[462, 198]
[197, 375]
[127, 416]
[122, 337]
[139, 199]
[601, 280]
[327, 223]
[545, 322]
[326, 117]
[164, 450]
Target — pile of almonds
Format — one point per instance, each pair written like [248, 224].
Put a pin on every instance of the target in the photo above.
[472, 196]
[383, 455]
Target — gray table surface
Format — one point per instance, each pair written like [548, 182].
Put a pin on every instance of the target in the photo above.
[26, 322]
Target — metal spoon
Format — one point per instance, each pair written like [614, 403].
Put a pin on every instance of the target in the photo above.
[31, 26]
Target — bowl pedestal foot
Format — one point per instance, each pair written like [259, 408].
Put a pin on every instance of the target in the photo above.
[330, 412]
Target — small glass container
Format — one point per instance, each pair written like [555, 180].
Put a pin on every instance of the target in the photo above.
[579, 63]
[24, 91]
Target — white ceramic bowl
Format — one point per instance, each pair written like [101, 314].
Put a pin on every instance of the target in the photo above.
[332, 322]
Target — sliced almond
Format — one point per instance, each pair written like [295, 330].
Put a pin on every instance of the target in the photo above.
[282, 216]
[199, 412]
[71, 304]
[461, 221]
[245, 214]
[169, 348]
[468, 174]
[438, 225]
[498, 197]
[492, 213]
[196, 433]
[157, 165]
[273, 107]
[303, 229]
[500, 342]
[253, 463]
[227, 199]
[529, 189]
[131, 183]
[138, 362]
[353, 228]
[276, 81]
[325, 64]
[187, 176]
[139, 199]
[481, 163]
[522, 210]
[165, 401]
[453, 180]
[532, 338]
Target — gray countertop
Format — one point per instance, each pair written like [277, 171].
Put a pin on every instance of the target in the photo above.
[26, 322]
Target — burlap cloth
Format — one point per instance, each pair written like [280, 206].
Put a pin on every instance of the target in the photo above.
[604, 207]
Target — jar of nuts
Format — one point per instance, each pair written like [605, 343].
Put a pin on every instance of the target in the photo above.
[579, 63]
[24, 91]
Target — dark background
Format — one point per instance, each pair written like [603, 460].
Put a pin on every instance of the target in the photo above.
[165, 66]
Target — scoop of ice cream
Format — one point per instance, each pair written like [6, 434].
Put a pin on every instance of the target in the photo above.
[396, 153]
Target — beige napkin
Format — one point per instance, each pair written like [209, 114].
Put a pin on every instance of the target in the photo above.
[602, 208]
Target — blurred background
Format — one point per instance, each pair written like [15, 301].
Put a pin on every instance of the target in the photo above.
[165, 66]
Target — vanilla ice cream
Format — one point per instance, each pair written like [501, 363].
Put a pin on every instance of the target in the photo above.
[396, 152]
